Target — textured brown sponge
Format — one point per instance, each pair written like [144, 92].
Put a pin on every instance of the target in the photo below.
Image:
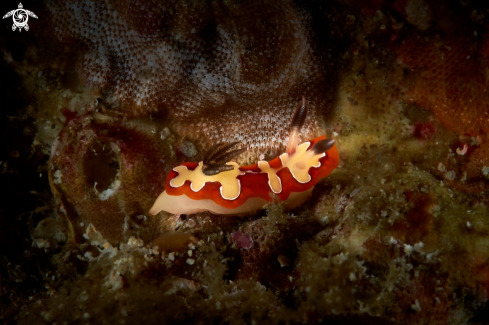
[449, 80]
[108, 172]
[224, 71]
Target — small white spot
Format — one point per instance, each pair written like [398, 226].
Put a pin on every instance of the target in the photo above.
[393, 241]
[469, 225]
[352, 277]
[419, 247]
[190, 261]
[164, 134]
[464, 176]
[416, 307]
[324, 220]
[441, 167]
[450, 175]
[485, 171]
[57, 176]
[430, 256]
[171, 256]
[462, 151]
[408, 249]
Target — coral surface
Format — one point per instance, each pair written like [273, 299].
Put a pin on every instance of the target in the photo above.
[227, 71]
[448, 76]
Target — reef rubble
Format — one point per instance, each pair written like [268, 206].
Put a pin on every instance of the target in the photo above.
[97, 116]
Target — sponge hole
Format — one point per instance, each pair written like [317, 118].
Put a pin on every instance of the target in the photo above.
[100, 166]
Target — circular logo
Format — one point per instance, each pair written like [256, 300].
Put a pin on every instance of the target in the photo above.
[20, 18]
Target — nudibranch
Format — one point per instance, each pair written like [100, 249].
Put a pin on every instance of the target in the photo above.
[223, 187]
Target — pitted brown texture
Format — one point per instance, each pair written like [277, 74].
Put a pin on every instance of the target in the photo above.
[449, 80]
[448, 77]
[104, 172]
[226, 71]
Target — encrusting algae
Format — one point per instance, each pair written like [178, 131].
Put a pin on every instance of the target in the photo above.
[128, 93]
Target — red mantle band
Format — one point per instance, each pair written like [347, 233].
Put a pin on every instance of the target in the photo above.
[254, 183]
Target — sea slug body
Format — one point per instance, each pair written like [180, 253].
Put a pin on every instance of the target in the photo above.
[245, 189]
[223, 187]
